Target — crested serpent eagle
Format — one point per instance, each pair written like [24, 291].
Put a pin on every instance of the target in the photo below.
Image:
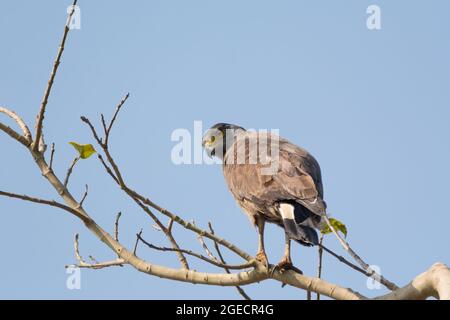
[290, 195]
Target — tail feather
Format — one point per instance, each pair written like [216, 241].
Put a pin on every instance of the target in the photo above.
[299, 223]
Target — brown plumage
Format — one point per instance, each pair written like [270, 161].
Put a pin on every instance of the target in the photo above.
[291, 195]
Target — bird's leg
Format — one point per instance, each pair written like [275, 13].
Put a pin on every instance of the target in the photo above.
[261, 255]
[286, 261]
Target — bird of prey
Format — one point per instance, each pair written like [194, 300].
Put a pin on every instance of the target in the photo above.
[291, 196]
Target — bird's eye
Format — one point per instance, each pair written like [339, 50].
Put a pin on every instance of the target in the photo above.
[213, 138]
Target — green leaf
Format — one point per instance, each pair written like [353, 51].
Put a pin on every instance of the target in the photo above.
[85, 150]
[338, 225]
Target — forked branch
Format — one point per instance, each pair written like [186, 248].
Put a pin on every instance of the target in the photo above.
[96, 265]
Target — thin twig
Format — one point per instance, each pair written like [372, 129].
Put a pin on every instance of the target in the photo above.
[187, 225]
[76, 248]
[51, 203]
[170, 225]
[96, 265]
[119, 106]
[199, 256]
[94, 132]
[138, 236]
[107, 168]
[116, 226]
[345, 261]
[219, 253]
[168, 234]
[41, 114]
[216, 245]
[69, 171]
[105, 130]
[319, 264]
[205, 247]
[372, 273]
[86, 192]
[13, 134]
[19, 121]
[52, 155]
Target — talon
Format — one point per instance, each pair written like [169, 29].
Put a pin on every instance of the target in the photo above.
[281, 266]
[286, 264]
[296, 270]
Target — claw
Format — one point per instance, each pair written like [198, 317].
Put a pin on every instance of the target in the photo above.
[283, 265]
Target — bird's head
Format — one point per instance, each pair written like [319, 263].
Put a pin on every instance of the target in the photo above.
[219, 138]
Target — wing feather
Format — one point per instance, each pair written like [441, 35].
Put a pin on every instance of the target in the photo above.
[298, 178]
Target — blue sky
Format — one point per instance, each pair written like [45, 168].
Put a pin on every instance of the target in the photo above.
[372, 106]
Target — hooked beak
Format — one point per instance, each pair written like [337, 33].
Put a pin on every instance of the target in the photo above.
[211, 152]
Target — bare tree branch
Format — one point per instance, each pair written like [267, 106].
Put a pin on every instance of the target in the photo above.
[435, 282]
[117, 176]
[189, 226]
[119, 106]
[41, 114]
[108, 169]
[96, 265]
[26, 132]
[13, 134]
[199, 256]
[205, 247]
[105, 129]
[168, 234]
[51, 203]
[170, 225]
